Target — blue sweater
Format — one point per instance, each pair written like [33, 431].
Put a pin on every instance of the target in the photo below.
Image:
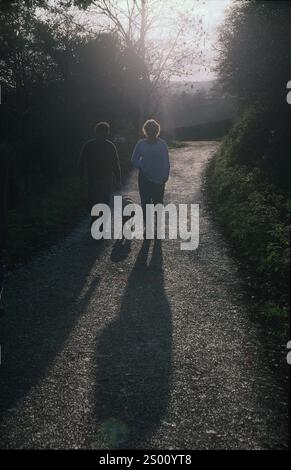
[152, 158]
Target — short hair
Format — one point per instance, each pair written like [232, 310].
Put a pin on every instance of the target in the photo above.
[102, 127]
[151, 128]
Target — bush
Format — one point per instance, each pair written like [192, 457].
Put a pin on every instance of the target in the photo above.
[252, 210]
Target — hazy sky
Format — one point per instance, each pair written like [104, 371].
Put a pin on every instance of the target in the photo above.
[212, 13]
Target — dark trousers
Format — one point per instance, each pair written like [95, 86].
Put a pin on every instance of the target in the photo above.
[150, 193]
[99, 192]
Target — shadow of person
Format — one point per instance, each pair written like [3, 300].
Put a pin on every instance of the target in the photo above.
[134, 359]
[120, 250]
[39, 320]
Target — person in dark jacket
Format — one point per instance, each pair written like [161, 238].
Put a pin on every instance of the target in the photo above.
[99, 166]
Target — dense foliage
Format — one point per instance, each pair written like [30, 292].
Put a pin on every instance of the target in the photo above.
[250, 176]
[57, 80]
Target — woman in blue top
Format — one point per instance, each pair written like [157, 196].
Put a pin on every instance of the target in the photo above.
[151, 157]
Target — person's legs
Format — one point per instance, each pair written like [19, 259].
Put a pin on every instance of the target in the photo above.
[91, 202]
[145, 193]
[99, 193]
[158, 191]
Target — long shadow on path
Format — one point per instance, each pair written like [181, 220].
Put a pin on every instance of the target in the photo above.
[40, 317]
[134, 358]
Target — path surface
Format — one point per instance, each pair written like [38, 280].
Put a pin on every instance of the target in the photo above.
[101, 351]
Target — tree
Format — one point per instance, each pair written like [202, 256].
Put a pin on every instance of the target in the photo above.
[254, 61]
[25, 72]
[140, 25]
[58, 80]
[254, 65]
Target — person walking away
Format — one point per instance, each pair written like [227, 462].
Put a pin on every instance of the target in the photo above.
[151, 157]
[99, 166]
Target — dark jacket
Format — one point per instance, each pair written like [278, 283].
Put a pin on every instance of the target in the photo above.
[99, 162]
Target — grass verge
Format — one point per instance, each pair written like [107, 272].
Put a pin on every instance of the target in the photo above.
[254, 217]
[41, 221]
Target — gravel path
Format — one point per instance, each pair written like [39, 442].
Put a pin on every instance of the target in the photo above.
[101, 350]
